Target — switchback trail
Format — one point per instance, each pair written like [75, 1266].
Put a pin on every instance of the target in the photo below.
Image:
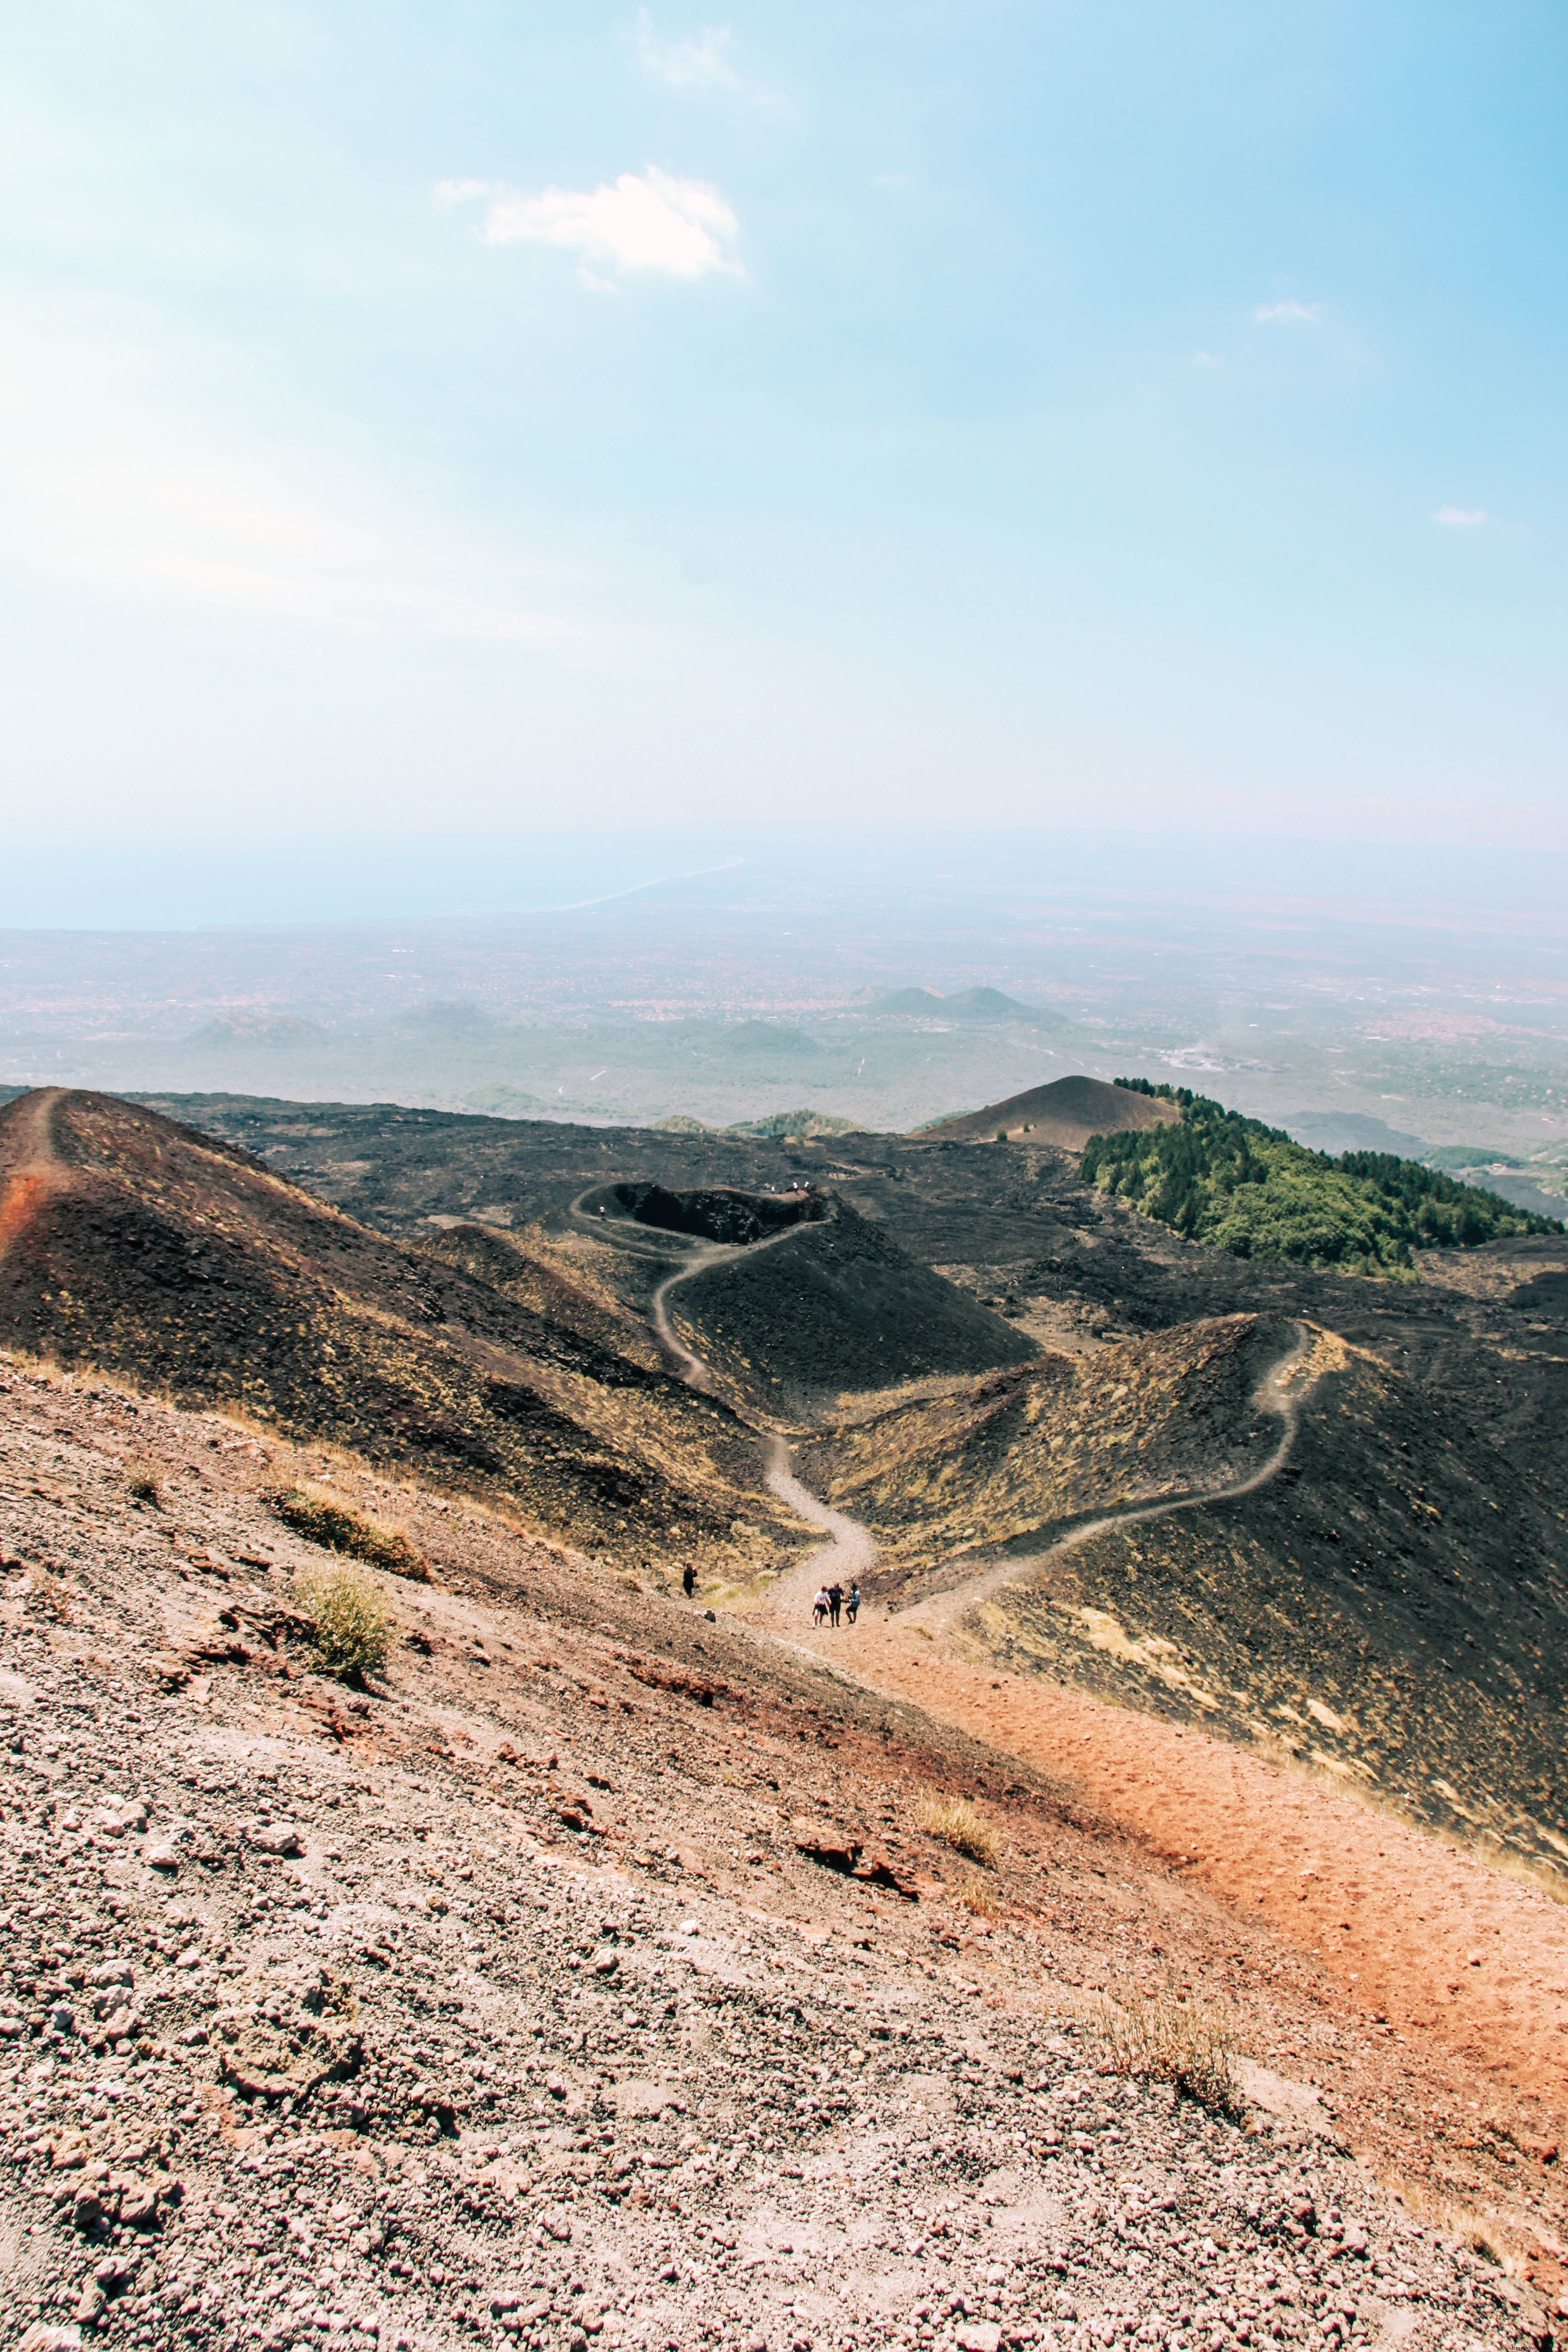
[854, 1548]
[1392, 1914]
[655, 1242]
[1275, 1394]
[849, 1552]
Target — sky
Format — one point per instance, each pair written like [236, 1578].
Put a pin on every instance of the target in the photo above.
[469, 420]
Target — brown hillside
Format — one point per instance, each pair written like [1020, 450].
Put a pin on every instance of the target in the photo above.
[184, 1264]
[1066, 1113]
[600, 1962]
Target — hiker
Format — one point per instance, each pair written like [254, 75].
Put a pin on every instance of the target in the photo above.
[852, 1607]
[834, 1600]
[820, 1606]
[689, 1581]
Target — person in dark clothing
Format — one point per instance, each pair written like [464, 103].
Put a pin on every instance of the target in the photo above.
[852, 1607]
[688, 1581]
[835, 1602]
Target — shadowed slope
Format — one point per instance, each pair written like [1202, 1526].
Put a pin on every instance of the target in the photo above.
[184, 1264]
[834, 1306]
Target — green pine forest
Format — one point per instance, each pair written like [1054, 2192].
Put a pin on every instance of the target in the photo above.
[1220, 1178]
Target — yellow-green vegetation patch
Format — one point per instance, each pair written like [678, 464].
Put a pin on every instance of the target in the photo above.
[321, 1519]
[350, 1625]
[140, 1480]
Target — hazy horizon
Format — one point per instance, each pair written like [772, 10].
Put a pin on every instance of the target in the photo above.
[1311, 985]
[527, 528]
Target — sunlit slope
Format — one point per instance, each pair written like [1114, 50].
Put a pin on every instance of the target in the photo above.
[1066, 1113]
[1391, 1604]
[1008, 1464]
[184, 1264]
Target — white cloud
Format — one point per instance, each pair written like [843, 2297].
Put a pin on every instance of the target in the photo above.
[1307, 313]
[699, 62]
[1460, 518]
[680, 228]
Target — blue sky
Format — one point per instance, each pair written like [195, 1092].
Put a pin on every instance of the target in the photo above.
[496, 417]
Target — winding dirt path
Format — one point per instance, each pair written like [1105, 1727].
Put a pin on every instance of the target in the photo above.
[1278, 1394]
[655, 1241]
[32, 1164]
[1435, 1940]
[852, 1549]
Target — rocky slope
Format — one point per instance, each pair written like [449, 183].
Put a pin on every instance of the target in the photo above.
[529, 1995]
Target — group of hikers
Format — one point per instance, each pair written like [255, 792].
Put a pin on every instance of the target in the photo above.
[830, 1602]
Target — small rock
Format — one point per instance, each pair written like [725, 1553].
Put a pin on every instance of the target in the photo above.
[277, 1837]
[116, 1819]
[979, 2335]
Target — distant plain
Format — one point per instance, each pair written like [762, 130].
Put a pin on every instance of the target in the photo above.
[1309, 992]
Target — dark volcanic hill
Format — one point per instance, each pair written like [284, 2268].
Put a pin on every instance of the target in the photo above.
[1391, 1605]
[179, 1263]
[1066, 1113]
[810, 1301]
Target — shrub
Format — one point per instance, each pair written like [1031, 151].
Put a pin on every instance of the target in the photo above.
[1182, 2042]
[140, 1481]
[954, 1820]
[351, 1623]
[977, 1898]
[321, 1520]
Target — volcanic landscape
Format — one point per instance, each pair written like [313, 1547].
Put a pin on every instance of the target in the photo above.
[618, 1962]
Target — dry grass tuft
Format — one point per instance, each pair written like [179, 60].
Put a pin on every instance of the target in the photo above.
[954, 1820]
[1187, 2043]
[352, 1625]
[142, 1480]
[977, 1896]
[319, 1519]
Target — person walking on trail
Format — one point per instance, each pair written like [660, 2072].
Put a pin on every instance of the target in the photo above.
[689, 1581]
[820, 1606]
[852, 1606]
[834, 1600]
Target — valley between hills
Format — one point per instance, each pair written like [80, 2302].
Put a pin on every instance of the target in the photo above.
[1231, 1593]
